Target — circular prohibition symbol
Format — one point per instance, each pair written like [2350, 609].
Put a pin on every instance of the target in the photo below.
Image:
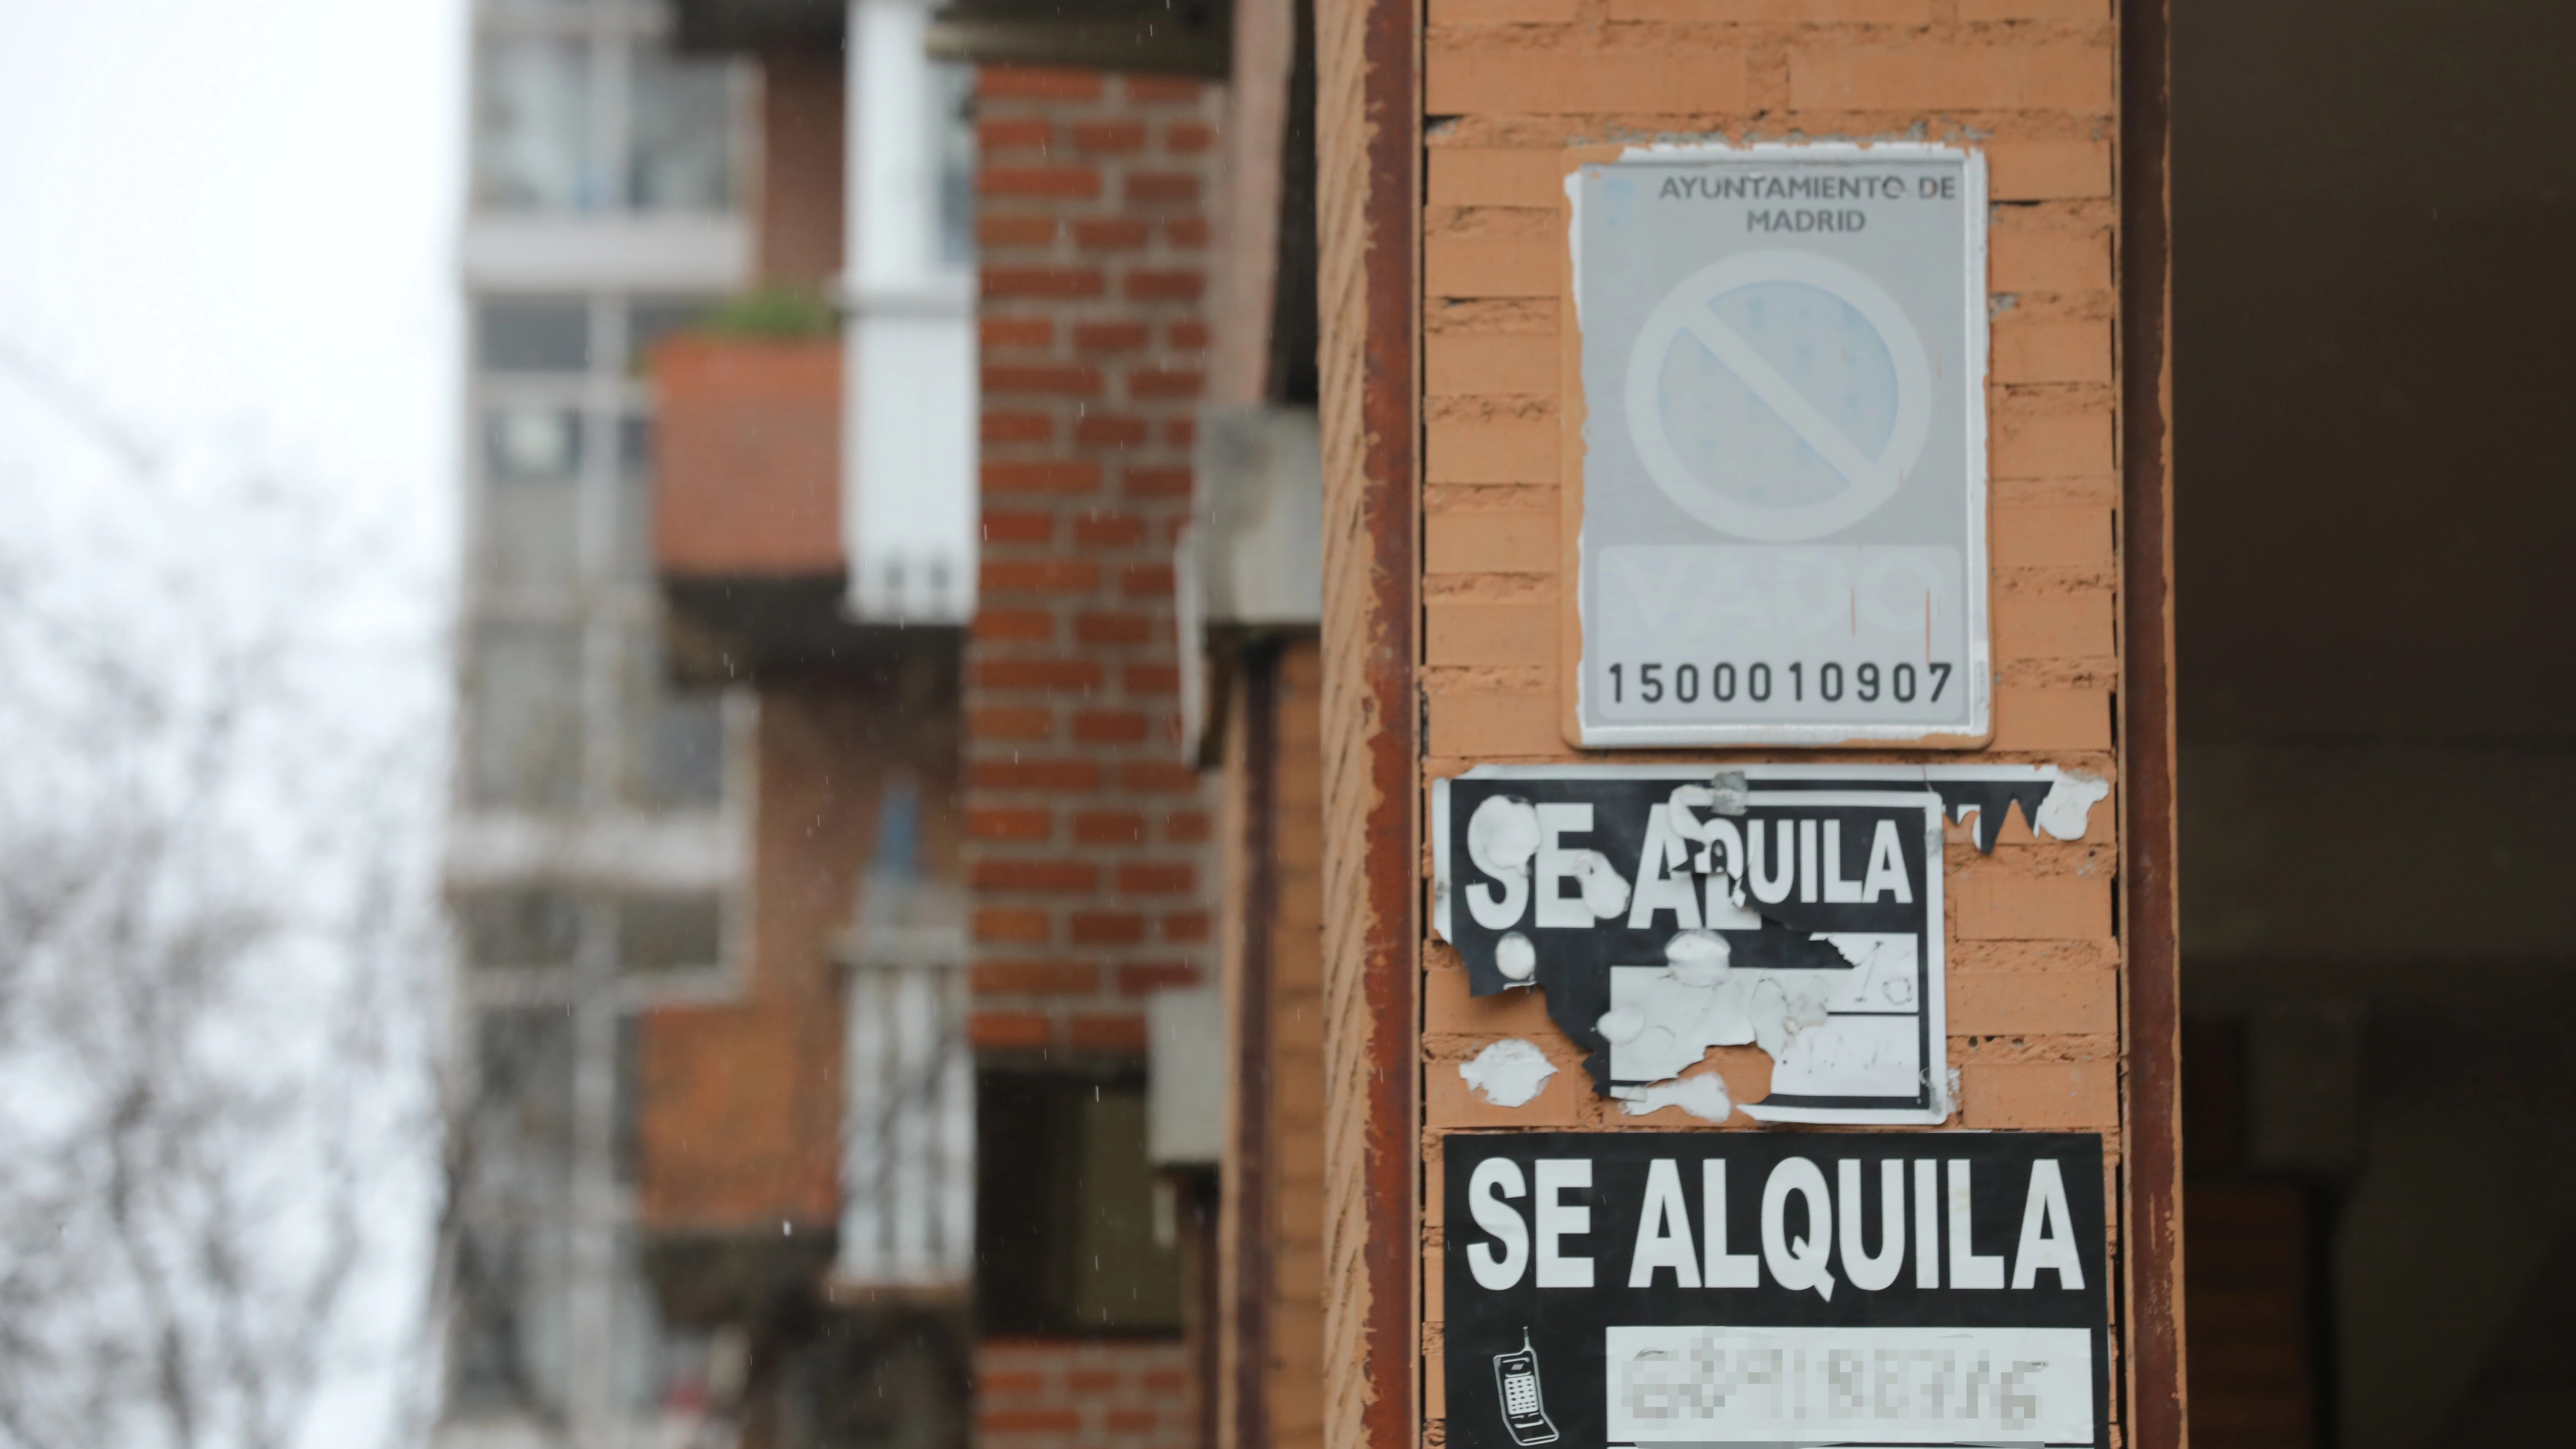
[1870, 480]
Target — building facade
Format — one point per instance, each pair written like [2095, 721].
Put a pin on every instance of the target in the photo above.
[596, 855]
[995, 525]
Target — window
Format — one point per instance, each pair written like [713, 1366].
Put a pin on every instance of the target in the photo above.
[632, 532]
[564, 524]
[532, 336]
[513, 1347]
[626, 1135]
[952, 91]
[522, 1127]
[518, 929]
[668, 933]
[523, 716]
[674, 740]
[534, 125]
[1046, 1141]
[679, 150]
[532, 496]
[648, 323]
[581, 109]
[533, 444]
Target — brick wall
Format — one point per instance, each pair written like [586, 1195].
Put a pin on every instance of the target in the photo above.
[2034, 981]
[802, 139]
[747, 468]
[1083, 1394]
[1285, 1273]
[1089, 850]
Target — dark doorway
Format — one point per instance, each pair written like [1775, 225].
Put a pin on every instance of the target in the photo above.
[2374, 339]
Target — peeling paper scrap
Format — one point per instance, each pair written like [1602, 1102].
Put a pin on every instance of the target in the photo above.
[2065, 813]
[1703, 1096]
[1509, 1073]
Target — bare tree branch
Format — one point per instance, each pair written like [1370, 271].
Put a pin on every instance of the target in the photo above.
[216, 949]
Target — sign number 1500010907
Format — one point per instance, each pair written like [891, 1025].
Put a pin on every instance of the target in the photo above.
[1832, 681]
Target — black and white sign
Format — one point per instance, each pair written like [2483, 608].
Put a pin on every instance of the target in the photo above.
[1783, 490]
[1666, 909]
[1604, 1290]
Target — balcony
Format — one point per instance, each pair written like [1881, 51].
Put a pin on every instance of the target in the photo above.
[748, 485]
[747, 508]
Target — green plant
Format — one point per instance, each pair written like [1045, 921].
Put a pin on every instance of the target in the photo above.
[778, 312]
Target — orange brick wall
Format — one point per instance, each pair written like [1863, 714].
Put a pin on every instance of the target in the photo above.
[1296, 1178]
[2035, 984]
[1090, 838]
[1083, 1394]
[747, 469]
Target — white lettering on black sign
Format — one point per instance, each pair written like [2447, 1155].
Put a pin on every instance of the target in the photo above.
[1666, 910]
[1711, 1289]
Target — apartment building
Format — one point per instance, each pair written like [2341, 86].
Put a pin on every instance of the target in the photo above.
[598, 846]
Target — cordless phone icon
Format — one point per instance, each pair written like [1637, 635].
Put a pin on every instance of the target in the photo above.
[1524, 1412]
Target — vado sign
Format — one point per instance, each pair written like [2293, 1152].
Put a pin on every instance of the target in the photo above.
[1740, 1289]
[1780, 478]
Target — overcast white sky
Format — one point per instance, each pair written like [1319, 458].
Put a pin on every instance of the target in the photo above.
[234, 225]
[227, 233]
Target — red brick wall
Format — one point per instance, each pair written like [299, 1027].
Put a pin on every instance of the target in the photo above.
[801, 142]
[1088, 852]
[747, 466]
[1083, 1394]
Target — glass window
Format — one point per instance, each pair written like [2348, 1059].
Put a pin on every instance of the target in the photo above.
[513, 1343]
[514, 929]
[533, 140]
[523, 720]
[521, 1137]
[539, 444]
[1121, 1277]
[952, 129]
[676, 754]
[532, 508]
[674, 741]
[632, 529]
[668, 932]
[650, 322]
[533, 336]
[1064, 1229]
[679, 153]
[626, 1129]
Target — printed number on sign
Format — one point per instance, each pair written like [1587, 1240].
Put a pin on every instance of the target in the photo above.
[1659, 682]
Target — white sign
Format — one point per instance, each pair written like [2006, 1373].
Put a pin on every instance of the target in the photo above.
[1782, 491]
[1866, 1384]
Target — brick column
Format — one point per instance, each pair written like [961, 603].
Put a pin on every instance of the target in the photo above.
[2037, 1033]
[1089, 854]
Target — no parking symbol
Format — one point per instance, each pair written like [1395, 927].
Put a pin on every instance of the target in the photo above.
[1780, 367]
